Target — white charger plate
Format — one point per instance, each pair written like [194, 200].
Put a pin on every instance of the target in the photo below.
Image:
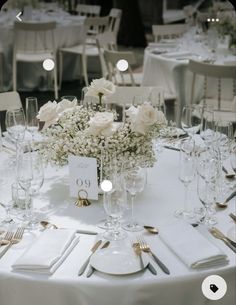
[118, 261]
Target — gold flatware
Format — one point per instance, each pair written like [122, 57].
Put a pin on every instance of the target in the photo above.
[138, 252]
[17, 237]
[145, 248]
[6, 239]
[227, 174]
[85, 264]
[233, 217]
[226, 202]
[151, 229]
[219, 235]
[91, 269]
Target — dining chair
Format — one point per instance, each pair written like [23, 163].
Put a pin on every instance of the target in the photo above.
[1, 70]
[118, 72]
[217, 73]
[88, 10]
[114, 21]
[88, 48]
[168, 31]
[105, 41]
[33, 43]
[10, 100]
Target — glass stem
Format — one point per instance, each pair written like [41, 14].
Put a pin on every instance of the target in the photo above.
[132, 208]
[186, 197]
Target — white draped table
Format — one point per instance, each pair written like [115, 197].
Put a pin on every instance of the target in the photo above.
[155, 206]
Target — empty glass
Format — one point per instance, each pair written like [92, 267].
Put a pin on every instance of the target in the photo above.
[191, 119]
[135, 181]
[31, 115]
[157, 100]
[15, 124]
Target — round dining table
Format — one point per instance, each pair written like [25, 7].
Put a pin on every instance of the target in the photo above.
[155, 206]
[69, 32]
[166, 65]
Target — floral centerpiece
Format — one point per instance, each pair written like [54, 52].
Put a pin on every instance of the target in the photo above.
[84, 131]
[227, 26]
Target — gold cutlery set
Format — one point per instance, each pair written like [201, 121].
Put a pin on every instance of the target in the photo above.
[10, 239]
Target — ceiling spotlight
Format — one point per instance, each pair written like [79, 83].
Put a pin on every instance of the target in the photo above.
[48, 64]
[213, 19]
[106, 185]
[208, 19]
[122, 65]
[217, 20]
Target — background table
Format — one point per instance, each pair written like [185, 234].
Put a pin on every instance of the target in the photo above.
[155, 206]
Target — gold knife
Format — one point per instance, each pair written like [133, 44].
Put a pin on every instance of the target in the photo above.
[85, 264]
[219, 235]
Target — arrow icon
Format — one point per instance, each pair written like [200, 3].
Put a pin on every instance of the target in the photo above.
[18, 16]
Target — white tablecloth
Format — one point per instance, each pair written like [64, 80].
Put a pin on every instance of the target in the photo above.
[155, 206]
[173, 75]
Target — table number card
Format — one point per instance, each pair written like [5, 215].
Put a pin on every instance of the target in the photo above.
[83, 176]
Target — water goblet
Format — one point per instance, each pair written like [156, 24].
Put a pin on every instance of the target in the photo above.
[135, 181]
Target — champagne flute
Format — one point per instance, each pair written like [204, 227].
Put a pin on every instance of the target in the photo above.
[135, 180]
[186, 175]
[31, 115]
[157, 99]
[191, 119]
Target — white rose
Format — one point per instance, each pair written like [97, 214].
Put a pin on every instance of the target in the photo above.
[132, 113]
[48, 113]
[100, 86]
[102, 124]
[147, 114]
[66, 105]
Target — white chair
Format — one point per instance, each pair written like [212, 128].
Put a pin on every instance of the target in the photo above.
[217, 72]
[33, 43]
[10, 100]
[1, 70]
[86, 49]
[88, 10]
[114, 21]
[168, 31]
[105, 41]
[115, 74]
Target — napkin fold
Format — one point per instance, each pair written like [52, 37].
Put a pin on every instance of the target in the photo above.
[195, 250]
[48, 252]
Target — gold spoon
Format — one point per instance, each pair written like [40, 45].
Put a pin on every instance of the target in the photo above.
[226, 202]
[151, 229]
[227, 175]
[46, 224]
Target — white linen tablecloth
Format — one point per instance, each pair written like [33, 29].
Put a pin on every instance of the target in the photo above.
[164, 194]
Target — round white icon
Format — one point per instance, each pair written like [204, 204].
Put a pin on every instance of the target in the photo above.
[48, 64]
[122, 65]
[106, 185]
[214, 287]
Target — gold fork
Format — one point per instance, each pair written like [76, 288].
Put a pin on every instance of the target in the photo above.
[6, 239]
[145, 248]
[14, 240]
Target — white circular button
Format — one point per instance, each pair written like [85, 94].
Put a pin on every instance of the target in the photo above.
[106, 185]
[122, 65]
[214, 287]
[48, 64]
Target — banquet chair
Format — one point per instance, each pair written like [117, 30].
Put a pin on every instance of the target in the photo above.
[114, 21]
[217, 72]
[1, 70]
[10, 100]
[33, 43]
[105, 41]
[88, 10]
[168, 31]
[118, 77]
[86, 49]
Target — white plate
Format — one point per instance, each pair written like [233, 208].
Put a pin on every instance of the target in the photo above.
[118, 261]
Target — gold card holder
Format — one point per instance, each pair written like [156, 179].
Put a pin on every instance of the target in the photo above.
[82, 200]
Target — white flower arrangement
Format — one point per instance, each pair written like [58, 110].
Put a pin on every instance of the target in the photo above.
[83, 131]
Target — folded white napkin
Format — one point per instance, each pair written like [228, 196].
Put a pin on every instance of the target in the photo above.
[47, 253]
[195, 250]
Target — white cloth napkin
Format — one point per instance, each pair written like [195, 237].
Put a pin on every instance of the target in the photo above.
[47, 253]
[195, 250]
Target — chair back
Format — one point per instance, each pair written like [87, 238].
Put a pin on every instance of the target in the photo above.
[168, 31]
[114, 20]
[88, 10]
[30, 37]
[10, 100]
[114, 74]
[215, 71]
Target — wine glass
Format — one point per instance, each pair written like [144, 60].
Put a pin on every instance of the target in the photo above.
[115, 205]
[70, 98]
[191, 119]
[135, 180]
[137, 100]
[186, 175]
[157, 99]
[31, 115]
[207, 132]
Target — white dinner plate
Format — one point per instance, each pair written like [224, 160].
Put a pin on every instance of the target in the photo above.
[118, 261]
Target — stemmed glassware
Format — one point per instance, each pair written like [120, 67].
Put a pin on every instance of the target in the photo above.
[187, 168]
[157, 99]
[30, 178]
[191, 119]
[135, 181]
[31, 115]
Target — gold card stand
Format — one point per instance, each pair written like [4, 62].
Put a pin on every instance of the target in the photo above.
[82, 201]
